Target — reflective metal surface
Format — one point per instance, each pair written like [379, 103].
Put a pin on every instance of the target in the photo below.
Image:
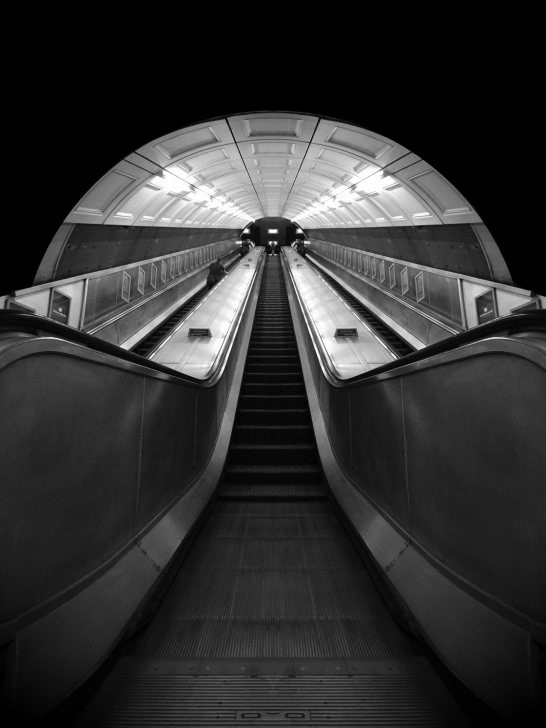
[98, 448]
[439, 461]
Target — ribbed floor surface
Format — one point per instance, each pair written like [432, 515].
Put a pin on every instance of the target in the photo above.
[362, 700]
[272, 618]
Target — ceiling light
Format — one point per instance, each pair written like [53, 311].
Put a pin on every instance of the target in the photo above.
[198, 196]
[348, 196]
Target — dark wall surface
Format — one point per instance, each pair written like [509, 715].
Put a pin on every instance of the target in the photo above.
[98, 247]
[259, 235]
[448, 247]
[464, 99]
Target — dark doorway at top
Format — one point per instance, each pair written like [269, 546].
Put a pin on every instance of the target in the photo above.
[273, 228]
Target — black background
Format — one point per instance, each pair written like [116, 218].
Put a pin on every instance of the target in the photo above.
[463, 95]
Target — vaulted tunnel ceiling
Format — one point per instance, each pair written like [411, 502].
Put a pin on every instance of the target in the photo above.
[309, 169]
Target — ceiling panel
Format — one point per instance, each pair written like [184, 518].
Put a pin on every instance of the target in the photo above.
[312, 170]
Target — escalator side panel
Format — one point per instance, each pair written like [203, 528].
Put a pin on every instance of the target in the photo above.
[98, 476]
[450, 505]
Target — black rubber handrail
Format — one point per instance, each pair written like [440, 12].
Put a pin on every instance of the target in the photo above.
[506, 326]
[41, 326]
[509, 325]
[32, 324]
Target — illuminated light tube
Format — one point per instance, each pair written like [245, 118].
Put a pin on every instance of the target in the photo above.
[347, 196]
[175, 185]
[198, 196]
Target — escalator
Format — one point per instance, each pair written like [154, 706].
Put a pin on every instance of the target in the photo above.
[146, 345]
[398, 345]
[273, 618]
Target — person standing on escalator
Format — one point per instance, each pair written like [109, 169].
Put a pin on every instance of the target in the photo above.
[300, 246]
[216, 273]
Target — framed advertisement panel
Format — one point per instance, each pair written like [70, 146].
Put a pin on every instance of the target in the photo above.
[59, 307]
[486, 307]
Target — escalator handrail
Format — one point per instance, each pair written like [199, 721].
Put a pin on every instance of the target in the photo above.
[44, 327]
[505, 326]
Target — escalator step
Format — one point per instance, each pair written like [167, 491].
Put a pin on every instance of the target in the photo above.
[280, 455]
[274, 377]
[272, 475]
[273, 402]
[296, 416]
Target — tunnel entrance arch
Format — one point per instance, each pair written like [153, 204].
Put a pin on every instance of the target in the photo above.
[332, 179]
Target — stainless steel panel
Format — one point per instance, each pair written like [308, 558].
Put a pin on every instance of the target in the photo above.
[378, 448]
[168, 444]
[206, 426]
[69, 450]
[475, 432]
[339, 425]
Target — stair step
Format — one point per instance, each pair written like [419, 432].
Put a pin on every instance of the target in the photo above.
[281, 401]
[273, 434]
[278, 364]
[273, 388]
[266, 492]
[257, 416]
[264, 359]
[261, 349]
[271, 455]
[274, 376]
[272, 475]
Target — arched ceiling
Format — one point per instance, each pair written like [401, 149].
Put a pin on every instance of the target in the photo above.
[309, 169]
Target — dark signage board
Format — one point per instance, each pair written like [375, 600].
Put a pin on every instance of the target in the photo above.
[486, 307]
[59, 307]
[199, 332]
[346, 332]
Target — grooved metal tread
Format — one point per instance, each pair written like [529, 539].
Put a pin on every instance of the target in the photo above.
[395, 700]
